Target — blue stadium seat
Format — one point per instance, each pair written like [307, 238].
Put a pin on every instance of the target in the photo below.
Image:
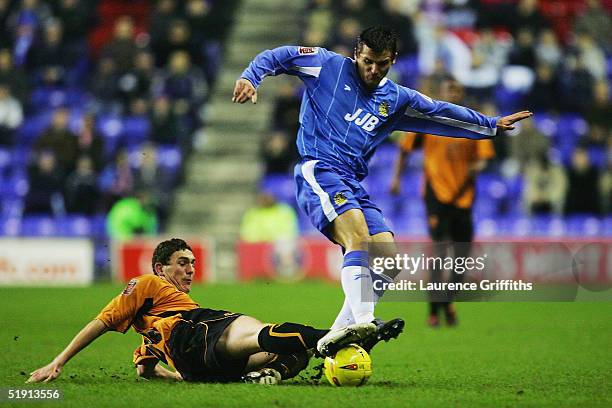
[16, 185]
[20, 157]
[571, 128]
[408, 69]
[78, 98]
[75, 226]
[416, 226]
[508, 100]
[584, 226]
[485, 207]
[110, 127]
[32, 127]
[11, 206]
[98, 227]
[598, 156]
[10, 226]
[486, 227]
[170, 157]
[38, 226]
[46, 97]
[546, 123]
[606, 226]
[383, 158]
[102, 255]
[281, 186]
[5, 162]
[135, 130]
[377, 184]
[540, 225]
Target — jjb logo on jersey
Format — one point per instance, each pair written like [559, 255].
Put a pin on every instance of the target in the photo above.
[368, 121]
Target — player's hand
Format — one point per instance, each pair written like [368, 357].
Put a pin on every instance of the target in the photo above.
[243, 91]
[47, 373]
[396, 187]
[506, 122]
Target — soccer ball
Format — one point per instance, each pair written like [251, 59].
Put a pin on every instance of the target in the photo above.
[350, 367]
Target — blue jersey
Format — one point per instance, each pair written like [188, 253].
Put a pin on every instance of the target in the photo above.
[341, 122]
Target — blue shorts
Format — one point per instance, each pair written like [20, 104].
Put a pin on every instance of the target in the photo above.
[323, 194]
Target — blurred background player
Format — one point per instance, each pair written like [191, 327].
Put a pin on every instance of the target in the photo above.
[349, 107]
[450, 167]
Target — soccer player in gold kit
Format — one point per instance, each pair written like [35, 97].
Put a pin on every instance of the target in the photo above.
[200, 344]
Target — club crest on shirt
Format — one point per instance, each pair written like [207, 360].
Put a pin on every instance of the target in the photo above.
[383, 109]
[130, 287]
[339, 198]
[307, 50]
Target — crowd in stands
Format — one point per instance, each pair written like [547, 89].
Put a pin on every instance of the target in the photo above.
[553, 57]
[99, 102]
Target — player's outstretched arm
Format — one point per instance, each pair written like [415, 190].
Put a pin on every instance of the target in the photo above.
[51, 371]
[243, 91]
[507, 122]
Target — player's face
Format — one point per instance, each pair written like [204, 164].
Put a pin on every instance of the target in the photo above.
[373, 66]
[180, 269]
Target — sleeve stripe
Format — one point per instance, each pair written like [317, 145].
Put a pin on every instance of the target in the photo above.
[312, 71]
[484, 130]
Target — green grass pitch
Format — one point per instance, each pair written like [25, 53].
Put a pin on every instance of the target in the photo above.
[501, 354]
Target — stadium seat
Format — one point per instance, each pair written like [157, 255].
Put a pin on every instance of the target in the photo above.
[98, 227]
[571, 128]
[135, 130]
[75, 226]
[383, 158]
[10, 226]
[169, 157]
[38, 226]
[485, 207]
[281, 186]
[606, 226]
[598, 156]
[16, 185]
[78, 98]
[583, 226]
[413, 208]
[416, 226]
[546, 123]
[45, 97]
[508, 100]
[486, 227]
[5, 162]
[33, 127]
[101, 255]
[408, 69]
[110, 127]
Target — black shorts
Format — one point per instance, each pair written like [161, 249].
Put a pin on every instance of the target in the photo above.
[447, 222]
[192, 347]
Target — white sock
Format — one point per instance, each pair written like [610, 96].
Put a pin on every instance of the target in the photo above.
[345, 317]
[356, 279]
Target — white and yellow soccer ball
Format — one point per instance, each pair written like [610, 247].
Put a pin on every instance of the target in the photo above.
[350, 367]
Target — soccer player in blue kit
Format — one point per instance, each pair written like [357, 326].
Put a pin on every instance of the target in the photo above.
[349, 107]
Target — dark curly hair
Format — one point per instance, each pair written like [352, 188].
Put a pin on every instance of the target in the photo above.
[165, 249]
[378, 39]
